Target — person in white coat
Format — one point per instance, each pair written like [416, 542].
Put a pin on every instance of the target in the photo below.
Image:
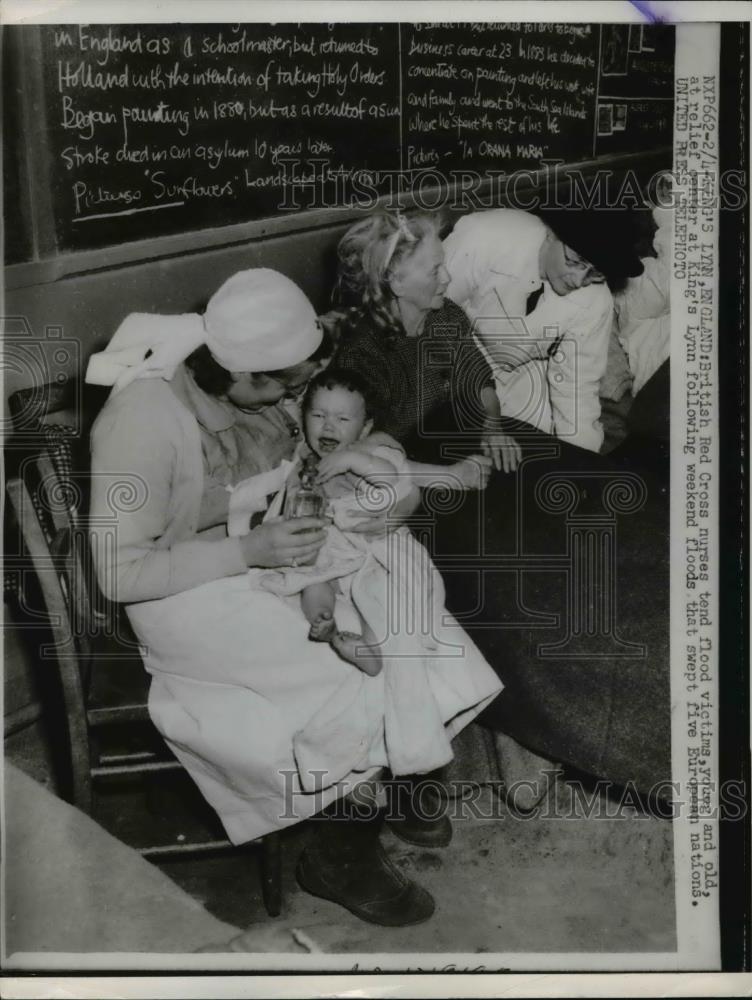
[538, 295]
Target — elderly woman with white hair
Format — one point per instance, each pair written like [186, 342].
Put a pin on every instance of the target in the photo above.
[201, 419]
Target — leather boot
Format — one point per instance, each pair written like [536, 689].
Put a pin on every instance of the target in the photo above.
[417, 811]
[347, 865]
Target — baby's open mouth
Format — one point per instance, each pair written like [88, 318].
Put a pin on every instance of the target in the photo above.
[328, 444]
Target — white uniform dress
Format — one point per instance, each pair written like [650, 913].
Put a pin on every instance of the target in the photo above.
[558, 352]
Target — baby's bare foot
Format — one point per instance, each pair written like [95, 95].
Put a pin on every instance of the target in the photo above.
[322, 628]
[352, 648]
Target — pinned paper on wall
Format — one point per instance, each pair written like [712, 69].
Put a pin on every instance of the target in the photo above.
[619, 123]
[605, 119]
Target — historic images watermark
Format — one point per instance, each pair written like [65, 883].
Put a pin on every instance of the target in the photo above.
[317, 183]
[573, 799]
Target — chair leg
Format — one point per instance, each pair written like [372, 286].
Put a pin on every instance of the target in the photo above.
[82, 791]
[271, 873]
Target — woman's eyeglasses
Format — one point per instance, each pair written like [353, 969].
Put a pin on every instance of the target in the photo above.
[582, 266]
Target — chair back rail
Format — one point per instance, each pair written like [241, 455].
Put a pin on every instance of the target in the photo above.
[50, 572]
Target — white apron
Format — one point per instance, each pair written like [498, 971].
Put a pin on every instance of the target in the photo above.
[235, 679]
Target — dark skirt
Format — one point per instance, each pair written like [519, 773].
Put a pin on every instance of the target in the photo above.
[560, 572]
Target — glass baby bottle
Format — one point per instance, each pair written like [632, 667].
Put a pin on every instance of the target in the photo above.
[306, 499]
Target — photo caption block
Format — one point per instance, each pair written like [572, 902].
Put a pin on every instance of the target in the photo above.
[694, 492]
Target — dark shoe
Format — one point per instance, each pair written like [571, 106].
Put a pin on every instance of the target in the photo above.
[364, 881]
[417, 815]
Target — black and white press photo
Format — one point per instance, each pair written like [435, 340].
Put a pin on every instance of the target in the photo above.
[373, 406]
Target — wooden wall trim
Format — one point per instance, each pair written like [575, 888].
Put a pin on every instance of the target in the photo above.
[37, 162]
[58, 267]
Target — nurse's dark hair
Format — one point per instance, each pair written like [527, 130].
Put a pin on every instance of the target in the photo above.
[341, 378]
[209, 375]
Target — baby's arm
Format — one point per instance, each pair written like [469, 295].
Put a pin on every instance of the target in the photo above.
[317, 601]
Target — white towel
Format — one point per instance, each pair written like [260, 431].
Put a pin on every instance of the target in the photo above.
[169, 338]
[251, 495]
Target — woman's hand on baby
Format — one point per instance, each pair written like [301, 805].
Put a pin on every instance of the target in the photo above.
[503, 449]
[284, 543]
[376, 524]
[473, 472]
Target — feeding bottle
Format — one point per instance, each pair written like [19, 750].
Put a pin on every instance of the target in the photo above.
[307, 499]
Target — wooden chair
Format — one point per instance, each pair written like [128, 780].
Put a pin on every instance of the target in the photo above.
[47, 504]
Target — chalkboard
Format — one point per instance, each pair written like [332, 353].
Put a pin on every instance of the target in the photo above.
[161, 128]
[155, 129]
[635, 107]
[498, 97]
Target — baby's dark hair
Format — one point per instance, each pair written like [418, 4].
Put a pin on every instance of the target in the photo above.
[341, 378]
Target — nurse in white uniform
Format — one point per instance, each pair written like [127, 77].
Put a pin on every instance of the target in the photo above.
[198, 415]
